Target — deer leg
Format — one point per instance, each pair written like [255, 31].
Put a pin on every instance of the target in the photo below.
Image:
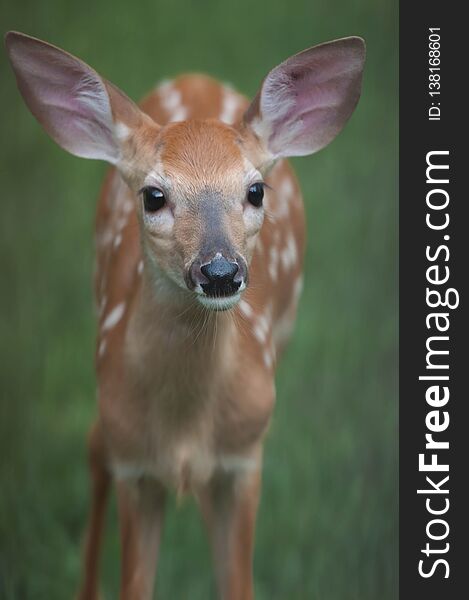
[229, 506]
[141, 508]
[100, 480]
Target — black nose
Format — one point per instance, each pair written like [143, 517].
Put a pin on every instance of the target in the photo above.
[220, 274]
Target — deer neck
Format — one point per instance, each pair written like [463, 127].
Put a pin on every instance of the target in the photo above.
[174, 339]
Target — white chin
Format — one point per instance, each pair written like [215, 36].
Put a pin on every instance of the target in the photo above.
[219, 303]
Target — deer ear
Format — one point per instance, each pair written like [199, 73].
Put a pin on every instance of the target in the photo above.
[306, 101]
[82, 112]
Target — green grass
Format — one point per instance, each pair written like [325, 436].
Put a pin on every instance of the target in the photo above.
[327, 527]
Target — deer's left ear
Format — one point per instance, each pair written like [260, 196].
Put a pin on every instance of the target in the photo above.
[306, 101]
[81, 111]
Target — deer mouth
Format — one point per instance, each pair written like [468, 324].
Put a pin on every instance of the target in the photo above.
[219, 304]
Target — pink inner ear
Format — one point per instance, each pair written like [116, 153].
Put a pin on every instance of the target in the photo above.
[307, 100]
[66, 96]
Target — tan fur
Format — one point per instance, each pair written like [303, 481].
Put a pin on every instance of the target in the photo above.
[185, 396]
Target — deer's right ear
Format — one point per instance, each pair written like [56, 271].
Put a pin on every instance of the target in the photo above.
[305, 101]
[82, 112]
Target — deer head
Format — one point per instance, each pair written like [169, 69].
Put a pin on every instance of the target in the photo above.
[198, 184]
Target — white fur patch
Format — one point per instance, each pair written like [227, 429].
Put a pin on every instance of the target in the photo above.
[180, 114]
[170, 96]
[298, 288]
[268, 354]
[121, 222]
[246, 309]
[289, 254]
[200, 465]
[283, 326]
[127, 206]
[122, 131]
[171, 101]
[233, 463]
[230, 107]
[286, 188]
[102, 347]
[273, 263]
[263, 324]
[102, 305]
[260, 334]
[117, 240]
[218, 303]
[114, 317]
[284, 197]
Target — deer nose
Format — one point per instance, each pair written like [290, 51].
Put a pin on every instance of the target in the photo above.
[220, 274]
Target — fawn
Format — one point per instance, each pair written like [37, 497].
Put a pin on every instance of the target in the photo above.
[199, 242]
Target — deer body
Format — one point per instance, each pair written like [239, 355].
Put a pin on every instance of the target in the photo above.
[201, 384]
[199, 245]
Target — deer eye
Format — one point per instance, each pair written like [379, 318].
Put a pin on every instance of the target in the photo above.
[153, 199]
[256, 194]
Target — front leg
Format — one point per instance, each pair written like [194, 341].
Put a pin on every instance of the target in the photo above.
[229, 505]
[141, 507]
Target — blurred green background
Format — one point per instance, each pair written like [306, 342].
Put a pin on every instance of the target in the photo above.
[327, 527]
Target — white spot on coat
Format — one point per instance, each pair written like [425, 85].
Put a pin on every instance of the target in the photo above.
[121, 223]
[298, 288]
[117, 240]
[246, 309]
[267, 358]
[102, 347]
[127, 206]
[180, 114]
[102, 305]
[273, 263]
[114, 317]
[283, 328]
[289, 254]
[230, 107]
[286, 188]
[260, 334]
[263, 324]
[170, 97]
[171, 101]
